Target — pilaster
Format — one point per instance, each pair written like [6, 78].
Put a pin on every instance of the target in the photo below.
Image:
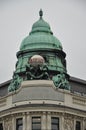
[61, 125]
[24, 121]
[74, 124]
[83, 125]
[28, 123]
[44, 121]
[48, 121]
[13, 123]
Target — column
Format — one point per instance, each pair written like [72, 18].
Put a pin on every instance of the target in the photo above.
[48, 121]
[3, 125]
[13, 123]
[74, 124]
[44, 121]
[29, 123]
[61, 123]
[83, 125]
[24, 121]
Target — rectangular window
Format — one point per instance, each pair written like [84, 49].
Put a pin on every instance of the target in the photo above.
[36, 123]
[78, 125]
[1, 126]
[19, 124]
[54, 123]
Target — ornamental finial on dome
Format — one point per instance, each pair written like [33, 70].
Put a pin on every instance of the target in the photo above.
[40, 13]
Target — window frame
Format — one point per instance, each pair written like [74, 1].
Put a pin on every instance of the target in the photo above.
[21, 124]
[54, 123]
[2, 126]
[76, 125]
[36, 123]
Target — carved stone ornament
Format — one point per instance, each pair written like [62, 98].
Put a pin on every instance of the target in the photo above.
[68, 124]
[8, 124]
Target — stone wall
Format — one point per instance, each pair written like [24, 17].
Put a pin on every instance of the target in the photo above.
[66, 121]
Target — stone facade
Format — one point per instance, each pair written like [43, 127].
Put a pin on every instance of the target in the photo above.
[67, 107]
[66, 122]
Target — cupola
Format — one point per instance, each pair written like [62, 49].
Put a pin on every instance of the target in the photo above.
[40, 36]
[45, 51]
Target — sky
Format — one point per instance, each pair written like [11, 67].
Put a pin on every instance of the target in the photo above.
[67, 19]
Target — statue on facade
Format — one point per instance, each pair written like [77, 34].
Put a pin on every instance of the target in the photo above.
[37, 72]
[14, 85]
[36, 68]
[61, 82]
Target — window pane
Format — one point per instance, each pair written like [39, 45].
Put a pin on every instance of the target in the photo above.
[20, 128]
[19, 121]
[36, 126]
[78, 125]
[36, 123]
[19, 124]
[1, 126]
[54, 123]
[36, 119]
[54, 120]
[54, 127]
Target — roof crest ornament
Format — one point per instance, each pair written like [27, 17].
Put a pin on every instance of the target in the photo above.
[40, 13]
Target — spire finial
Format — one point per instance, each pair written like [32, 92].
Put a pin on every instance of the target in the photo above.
[40, 13]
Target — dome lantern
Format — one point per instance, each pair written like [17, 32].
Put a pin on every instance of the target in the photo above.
[40, 13]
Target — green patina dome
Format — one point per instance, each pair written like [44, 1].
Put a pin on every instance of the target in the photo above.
[41, 37]
[40, 57]
[42, 40]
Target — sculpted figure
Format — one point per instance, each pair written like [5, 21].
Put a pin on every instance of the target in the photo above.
[14, 85]
[37, 72]
[60, 81]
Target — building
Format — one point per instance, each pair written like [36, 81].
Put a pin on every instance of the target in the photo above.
[41, 95]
